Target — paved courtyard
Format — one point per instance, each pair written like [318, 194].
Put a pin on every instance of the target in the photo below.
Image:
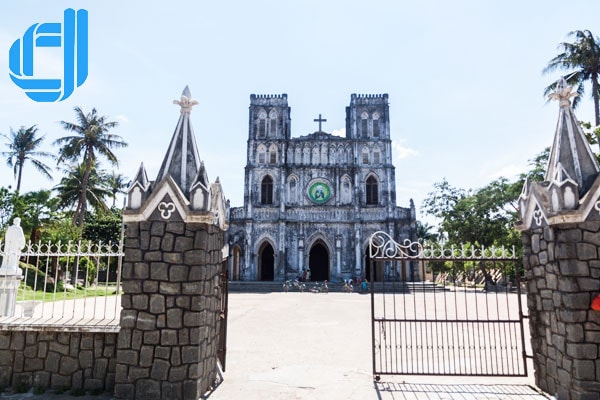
[317, 346]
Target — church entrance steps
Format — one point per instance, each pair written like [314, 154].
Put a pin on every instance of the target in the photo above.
[274, 286]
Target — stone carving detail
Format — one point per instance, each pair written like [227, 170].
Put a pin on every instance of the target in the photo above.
[597, 206]
[538, 215]
[166, 209]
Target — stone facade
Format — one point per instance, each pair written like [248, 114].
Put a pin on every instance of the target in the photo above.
[168, 340]
[58, 358]
[175, 229]
[563, 274]
[312, 202]
[560, 225]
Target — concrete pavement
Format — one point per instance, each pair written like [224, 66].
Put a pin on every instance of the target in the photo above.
[318, 346]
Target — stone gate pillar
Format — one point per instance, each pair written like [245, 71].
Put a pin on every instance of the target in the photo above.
[174, 248]
[561, 252]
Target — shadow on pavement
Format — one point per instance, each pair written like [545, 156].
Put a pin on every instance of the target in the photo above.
[410, 391]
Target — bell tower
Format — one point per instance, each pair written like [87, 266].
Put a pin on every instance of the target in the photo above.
[367, 117]
[269, 117]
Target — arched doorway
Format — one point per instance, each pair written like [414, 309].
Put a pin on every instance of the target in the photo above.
[266, 262]
[318, 261]
[377, 267]
[235, 273]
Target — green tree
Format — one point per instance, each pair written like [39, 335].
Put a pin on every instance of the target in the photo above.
[117, 184]
[23, 145]
[424, 232]
[36, 209]
[538, 166]
[70, 187]
[7, 201]
[484, 217]
[582, 59]
[105, 227]
[90, 140]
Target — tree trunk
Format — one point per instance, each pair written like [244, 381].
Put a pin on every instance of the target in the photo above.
[596, 97]
[83, 194]
[21, 162]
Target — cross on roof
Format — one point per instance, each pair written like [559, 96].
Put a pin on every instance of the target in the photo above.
[320, 120]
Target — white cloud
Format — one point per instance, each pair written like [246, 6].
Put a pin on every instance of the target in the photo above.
[401, 152]
[122, 118]
[339, 132]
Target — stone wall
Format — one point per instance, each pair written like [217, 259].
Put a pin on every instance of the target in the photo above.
[563, 272]
[167, 344]
[58, 358]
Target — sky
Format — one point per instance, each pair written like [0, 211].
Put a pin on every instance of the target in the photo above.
[464, 79]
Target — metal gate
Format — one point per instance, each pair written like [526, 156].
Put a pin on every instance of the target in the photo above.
[466, 320]
[224, 293]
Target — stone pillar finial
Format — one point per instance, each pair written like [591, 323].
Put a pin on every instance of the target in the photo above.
[186, 101]
[563, 93]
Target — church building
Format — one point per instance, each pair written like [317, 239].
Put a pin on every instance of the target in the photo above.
[312, 202]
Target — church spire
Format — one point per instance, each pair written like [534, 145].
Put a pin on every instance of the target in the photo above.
[571, 155]
[182, 160]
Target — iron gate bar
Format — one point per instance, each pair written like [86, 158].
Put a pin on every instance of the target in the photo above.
[458, 330]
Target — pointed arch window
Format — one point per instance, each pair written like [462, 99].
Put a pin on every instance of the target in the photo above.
[372, 190]
[365, 155]
[346, 191]
[364, 125]
[262, 155]
[273, 154]
[292, 192]
[273, 123]
[266, 190]
[376, 155]
[262, 124]
[376, 125]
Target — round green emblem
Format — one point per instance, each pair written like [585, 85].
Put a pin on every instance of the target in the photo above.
[319, 192]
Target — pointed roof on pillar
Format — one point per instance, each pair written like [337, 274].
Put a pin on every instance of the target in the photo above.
[182, 161]
[570, 192]
[571, 154]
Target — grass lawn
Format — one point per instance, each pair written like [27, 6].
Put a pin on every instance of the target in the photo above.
[26, 293]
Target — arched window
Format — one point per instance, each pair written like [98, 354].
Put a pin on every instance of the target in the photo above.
[266, 190]
[372, 190]
[376, 155]
[273, 123]
[376, 125]
[365, 155]
[262, 124]
[364, 124]
[315, 155]
[346, 191]
[292, 192]
[262, 154]
[306, 156]
[273, 154]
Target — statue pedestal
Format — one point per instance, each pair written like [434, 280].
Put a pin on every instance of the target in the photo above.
[9, 285]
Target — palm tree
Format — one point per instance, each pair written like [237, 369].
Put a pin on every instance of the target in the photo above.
[424, 232]
[582, 59]
[70, 186]
[117, 183]
[23, 146]
[89, 141]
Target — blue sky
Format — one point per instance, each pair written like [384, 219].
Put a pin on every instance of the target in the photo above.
[463, 77]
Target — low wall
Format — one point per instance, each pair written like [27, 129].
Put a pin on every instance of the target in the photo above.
[58, 358]
[563, 270]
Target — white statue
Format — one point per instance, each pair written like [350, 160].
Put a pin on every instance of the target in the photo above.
[14, 241]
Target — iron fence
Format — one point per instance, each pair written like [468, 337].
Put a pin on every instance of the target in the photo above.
[66, 284]
[467, 320]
